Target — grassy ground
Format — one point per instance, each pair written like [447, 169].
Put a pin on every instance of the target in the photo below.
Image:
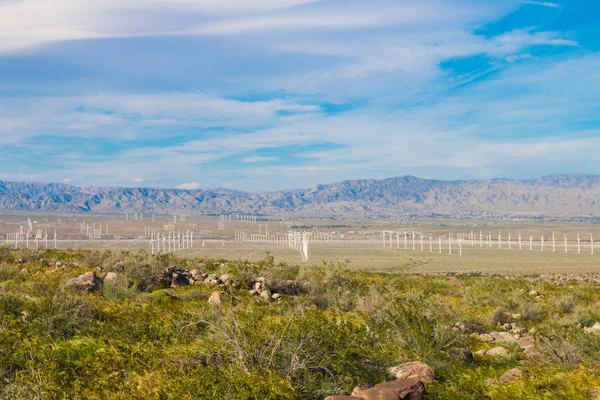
[141, 337]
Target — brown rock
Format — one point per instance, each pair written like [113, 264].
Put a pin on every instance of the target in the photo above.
[532, 353]
[401, 389]
[514, 374]
[88, 282]
[344, 398]
[415, 369]
[215, 299]
[525, 341]
[361, 387]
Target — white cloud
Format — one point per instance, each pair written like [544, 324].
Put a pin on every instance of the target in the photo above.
[517, 57]
[542, 3]
[257, 159]
[30, 23]
[189, 186]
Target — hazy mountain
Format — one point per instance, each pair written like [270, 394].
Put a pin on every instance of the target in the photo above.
[556, 195]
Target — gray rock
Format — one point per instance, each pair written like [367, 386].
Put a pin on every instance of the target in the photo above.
[88, 282]
[498, 352]
[111, 278]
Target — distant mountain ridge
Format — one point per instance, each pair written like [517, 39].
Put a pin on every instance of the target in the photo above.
[555, 195]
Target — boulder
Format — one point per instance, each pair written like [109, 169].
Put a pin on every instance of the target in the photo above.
[211, 279]
[265, 295]
[276, 296]
[498, 352]
[532, 353]
[215, 299]
[415, 369]
[514, 374]
[525, 341]
[111, 278]
[88, 282]
[502, 336]
[594, 329]
[400, 389]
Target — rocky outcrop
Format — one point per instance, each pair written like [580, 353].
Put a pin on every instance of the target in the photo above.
[400, 389]
[88, 282]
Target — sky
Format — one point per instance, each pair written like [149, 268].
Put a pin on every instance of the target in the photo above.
[280, 94]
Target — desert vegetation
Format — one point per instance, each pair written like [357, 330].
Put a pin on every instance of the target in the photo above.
[128, 325]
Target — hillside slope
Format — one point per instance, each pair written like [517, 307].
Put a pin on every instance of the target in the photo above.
[557, 195]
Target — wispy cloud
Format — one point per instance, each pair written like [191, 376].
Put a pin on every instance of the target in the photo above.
[542, 3]
[271, 94]
[258, 159]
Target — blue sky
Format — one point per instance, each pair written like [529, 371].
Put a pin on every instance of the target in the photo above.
[279, 94]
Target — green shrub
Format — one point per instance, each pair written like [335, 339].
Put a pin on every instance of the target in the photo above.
[566, 304]
[418, 327]
[532, 312]
[499, 316]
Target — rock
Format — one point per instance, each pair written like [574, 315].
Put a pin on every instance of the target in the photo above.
[58, 264]
[276, 296]
[360, 388]
[514, 374]
[211, 279]
[480, 352]
[111, 278]
[525, 341]
[532, 353]
[486, 337]
[502, 336]
[594, 329]
[88, 282]
[23, 316]
[400, 389]
[415, 369]
[498, 352]
[215, 299]
[265, 295]
[43, 261]
[534, 293]
[224, 278]
[344, 398]
[462, 354]
[24, 271]
[172, 277]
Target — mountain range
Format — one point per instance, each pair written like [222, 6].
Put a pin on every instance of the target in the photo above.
[406, 196]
